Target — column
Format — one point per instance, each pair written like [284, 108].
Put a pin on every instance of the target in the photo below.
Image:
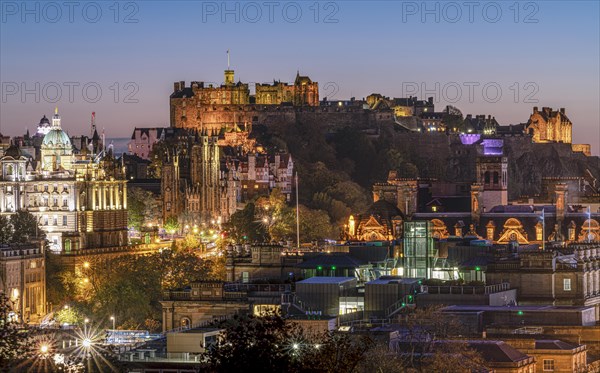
[110, 195]
[124, 195]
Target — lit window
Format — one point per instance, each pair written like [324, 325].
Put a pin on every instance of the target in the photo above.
[548, 365]
[567, 284]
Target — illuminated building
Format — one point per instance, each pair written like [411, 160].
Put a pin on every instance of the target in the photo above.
[23, 279]
[208, 107]
[77, 202]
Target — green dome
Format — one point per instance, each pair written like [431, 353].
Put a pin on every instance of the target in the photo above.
[57, 137]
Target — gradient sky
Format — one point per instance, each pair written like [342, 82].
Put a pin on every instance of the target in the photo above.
[383, 47]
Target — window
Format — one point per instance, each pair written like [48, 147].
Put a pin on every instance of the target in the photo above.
[567, 284]
[548, 365]
[64, 219]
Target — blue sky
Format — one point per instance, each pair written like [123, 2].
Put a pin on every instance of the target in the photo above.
[509, 53]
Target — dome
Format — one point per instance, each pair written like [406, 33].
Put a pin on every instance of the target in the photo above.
[44, 120]
[57, 137]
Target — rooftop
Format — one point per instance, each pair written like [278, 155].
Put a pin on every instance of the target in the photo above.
[326, 280]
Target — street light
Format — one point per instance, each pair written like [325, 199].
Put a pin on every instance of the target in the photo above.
[44, 349]
[113, 320]
[85, 321]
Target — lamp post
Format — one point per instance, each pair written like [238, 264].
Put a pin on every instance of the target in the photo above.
[113, 321]
[85, 322]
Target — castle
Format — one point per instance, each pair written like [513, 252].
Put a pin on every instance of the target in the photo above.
[202, 107]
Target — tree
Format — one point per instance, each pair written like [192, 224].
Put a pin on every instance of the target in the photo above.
[69, 315]
[6, 230]
[271, 343]
[336, 352]
[245, 226]
[128, 287]
[314, 225]
[142, 208]
[429, 344]
[171, 225]
[253, 344]
[14, 338]
[25, 226]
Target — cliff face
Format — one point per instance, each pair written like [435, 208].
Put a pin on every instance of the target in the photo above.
[446, 158]
[529, 162]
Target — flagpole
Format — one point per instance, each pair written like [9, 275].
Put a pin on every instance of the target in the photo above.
[297, 216]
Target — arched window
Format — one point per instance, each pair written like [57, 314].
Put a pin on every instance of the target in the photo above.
[185, 322]
[68, 245]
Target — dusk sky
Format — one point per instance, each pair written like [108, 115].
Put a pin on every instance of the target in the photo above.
[544, 51]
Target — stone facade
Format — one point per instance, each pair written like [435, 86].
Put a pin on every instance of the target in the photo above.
[23, 279]
[206, 178]
[549, 277]
[209, 107]
[79, 200]
[548, 125]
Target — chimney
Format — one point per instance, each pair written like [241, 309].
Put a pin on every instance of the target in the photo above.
[176, 87]
[535, 109]
[430, 99]
[562, 110]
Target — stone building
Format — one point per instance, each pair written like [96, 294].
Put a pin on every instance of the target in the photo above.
[553, 277]
[23, 279]
[143, 140]
[486, 213]
[207, 180]
[553, 354]
[210, 107]
[304, 92]
[549, 125]
[79, 199]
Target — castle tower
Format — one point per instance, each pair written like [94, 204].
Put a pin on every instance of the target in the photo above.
[229, 77]
[492, 174]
